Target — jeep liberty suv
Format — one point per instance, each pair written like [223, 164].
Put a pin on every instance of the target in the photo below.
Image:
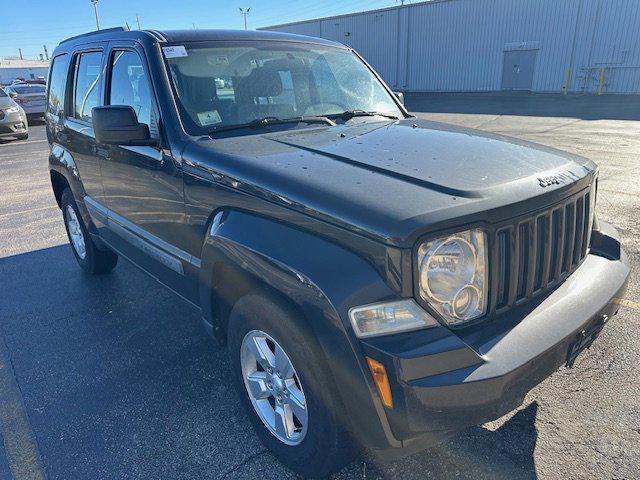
[380, 281]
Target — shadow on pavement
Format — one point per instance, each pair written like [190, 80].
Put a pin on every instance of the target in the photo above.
[120, 381]
[476, 453]
[586, 107]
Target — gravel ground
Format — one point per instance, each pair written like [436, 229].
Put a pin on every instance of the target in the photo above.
[113, 377]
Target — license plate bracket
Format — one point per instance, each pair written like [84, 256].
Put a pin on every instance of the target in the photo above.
[585, 339]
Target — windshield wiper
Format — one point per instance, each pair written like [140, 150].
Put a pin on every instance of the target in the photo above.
[349, 114]
[266, 121]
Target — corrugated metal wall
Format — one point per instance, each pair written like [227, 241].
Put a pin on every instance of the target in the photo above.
[460, 45]
[8, 75]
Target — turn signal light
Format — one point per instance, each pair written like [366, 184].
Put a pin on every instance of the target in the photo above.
[382, 382]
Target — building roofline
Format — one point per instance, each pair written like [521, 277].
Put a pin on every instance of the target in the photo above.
[362, 12]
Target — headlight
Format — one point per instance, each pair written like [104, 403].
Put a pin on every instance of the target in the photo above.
[15, 109]
[388, 318]
[453, 275]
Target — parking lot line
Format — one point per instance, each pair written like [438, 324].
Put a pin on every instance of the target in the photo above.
[31, 210]
[13, 144]
[627, 303]
[20, 444]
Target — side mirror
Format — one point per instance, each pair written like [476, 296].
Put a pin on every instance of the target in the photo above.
[399, 96]
[13, 95]
[118, 125]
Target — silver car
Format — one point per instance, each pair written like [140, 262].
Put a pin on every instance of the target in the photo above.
[13, 119]
[30, 97]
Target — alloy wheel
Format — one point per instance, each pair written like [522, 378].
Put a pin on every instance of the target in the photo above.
[274, 387]
[75, 232]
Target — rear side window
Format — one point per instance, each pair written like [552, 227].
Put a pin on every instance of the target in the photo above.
[86, 86]
[57, 85]
[130, 85]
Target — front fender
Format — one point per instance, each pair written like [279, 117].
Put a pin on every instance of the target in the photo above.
[323, 280]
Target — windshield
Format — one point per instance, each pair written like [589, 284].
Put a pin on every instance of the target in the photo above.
[237, 83]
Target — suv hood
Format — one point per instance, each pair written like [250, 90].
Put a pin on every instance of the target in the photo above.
[396, 180]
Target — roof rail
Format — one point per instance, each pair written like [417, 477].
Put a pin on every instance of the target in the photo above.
[159, 36]
[95, 32]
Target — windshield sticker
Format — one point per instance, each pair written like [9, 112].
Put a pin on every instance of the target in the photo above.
[209, 118]
[175, 51]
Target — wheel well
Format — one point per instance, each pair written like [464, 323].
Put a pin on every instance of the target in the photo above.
[59, 184]
[229, 286]
[233, 283]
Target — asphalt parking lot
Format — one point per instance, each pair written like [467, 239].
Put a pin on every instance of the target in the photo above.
[113, 377]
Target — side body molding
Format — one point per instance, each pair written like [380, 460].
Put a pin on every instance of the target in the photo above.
[322, 280]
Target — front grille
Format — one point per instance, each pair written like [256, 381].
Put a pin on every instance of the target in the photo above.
[536, 252]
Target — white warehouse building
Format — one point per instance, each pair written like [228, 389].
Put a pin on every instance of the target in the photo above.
[583, 46]
[27, 69]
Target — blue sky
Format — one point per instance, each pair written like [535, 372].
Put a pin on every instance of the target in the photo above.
[42, 22]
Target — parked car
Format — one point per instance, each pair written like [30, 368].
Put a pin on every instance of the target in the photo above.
[31, 97]
[380, 281]
[30, 81]
[13, 120]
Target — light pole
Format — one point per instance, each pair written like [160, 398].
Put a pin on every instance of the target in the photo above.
[95, 9]
[244, 14]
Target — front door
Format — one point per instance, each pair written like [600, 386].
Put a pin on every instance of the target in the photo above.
[142, 185]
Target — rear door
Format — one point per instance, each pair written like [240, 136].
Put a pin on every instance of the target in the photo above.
[143, 189]
[77, 135]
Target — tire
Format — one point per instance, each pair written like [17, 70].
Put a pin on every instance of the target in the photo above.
[22, 137]
[325, 446]
[91, 259]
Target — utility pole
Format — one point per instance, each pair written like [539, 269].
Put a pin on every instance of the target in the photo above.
[138, 20]
[46, 52]
[95, 9]
[244, 14]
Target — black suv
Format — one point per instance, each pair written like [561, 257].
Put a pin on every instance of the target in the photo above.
[379, 280]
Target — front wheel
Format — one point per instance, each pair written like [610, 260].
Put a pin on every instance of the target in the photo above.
[284, 384]
[92, 259]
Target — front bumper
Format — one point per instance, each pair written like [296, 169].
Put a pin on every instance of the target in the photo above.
[443, 381]
[12, 124]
